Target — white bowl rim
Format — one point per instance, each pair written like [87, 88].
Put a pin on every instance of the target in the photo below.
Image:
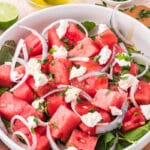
[3, 136]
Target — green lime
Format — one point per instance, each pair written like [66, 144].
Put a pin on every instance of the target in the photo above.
[8, 15]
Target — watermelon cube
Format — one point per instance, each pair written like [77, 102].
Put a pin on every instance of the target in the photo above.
[53, 102]
[104, 98]
[86, 48]
[5, 80]
[24, 92]
[62, 123]
[82, 141]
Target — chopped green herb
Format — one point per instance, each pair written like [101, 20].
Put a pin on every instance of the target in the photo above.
[96, 58]
[92, 110]
[123, 56]
[52, 50]
[101, 75]
[144, 13]
[53, 62]
[2, 90]
[79, 100]
[132, 50]
[39, 61]
[45, 60]
[52, 76]
[120, 126]
[36, 121]
[40, 106]
[125, 69]
[124, 77]
[29, 49]
[78, 65]
[136, 113]
[65, 40]
[54, 125]
[32, 130]
[69, 69]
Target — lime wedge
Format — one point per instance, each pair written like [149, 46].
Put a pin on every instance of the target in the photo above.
[57, 2]
[8, 15]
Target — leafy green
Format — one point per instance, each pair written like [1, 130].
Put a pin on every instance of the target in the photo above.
[132, 8]
[2, 90]
[7, 51]
[123, 56]
[105, 141]
[6, 123]
[89, 25]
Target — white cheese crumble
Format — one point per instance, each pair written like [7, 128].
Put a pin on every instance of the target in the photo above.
[31, 122]
[37, 104]
[72, 94]
[91, 119]
[71, 148]
[104, 54]
[146, 111]
[126, 81]
[60, 52]
[115, 111]
[62, 29]
[40, 79]
[77, 72]
[102, 28]
[122, 62]
[33, 66]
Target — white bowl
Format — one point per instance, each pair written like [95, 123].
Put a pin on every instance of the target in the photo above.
[115, 3]
[81, 12]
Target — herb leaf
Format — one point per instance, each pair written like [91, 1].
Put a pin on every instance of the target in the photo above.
[7, 51]
[144, 13]
[89, 25]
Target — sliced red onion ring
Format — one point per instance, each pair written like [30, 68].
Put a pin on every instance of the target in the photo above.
[106, 127]
[73, 107]
[132, 92]
[92, 74]
[111, 69]
[84, 59]
[20, 82]
[113, 147]
[14, 60]
[110, 61]
[25, 52]
[58, 21]
[83, 93]
[122, 45]
[43, 42]
[24, 137]
[114, 25]
[20, 118]
[143, 60]
[52, 92]
[10, 143]
[54, 146]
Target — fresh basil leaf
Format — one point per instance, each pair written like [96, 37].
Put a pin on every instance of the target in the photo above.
[122, 144]
[89, 25]
[105, 141]
[7, 51]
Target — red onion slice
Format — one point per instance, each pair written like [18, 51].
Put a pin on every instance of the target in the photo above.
[43, 42]
[73, 107]
[69, 20]
[122, 45]
[132, 92]
[106, 127]
[114, 25]
[113, 147]
[143, 60]
[54, 146]
[20, 118]
[24, 137]
[14, 60]
[92, 74]
[84, 59]
[110, 61]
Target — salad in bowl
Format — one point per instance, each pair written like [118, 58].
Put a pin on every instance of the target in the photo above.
[74, 81]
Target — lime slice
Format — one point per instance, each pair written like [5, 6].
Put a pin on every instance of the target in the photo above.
[57, 2]
[8, 15]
